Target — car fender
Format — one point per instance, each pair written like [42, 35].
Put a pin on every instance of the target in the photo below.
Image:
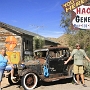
[25, 71]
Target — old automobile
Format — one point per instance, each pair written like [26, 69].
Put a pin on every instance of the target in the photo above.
[48, 66]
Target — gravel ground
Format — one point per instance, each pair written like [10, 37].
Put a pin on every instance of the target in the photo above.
[60, 85]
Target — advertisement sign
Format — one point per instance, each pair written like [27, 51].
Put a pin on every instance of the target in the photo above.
[14, 57]
[80, 10]
[72, 4]
[82, 18]
[11, 42]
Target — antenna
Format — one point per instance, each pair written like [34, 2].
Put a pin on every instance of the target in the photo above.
[36, 27]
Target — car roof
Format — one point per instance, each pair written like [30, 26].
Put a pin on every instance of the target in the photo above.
[41, 50]
[60, 47]
[52, 48]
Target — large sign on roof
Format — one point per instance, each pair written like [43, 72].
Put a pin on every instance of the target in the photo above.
[72, 4]
[80, 13]
[82, 18]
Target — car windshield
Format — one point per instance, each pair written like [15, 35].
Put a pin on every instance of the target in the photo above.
[54, 53]
[40, 54]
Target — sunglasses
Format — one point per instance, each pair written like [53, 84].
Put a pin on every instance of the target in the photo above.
[78, 46]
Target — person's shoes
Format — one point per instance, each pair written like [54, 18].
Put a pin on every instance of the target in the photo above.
[84, 85]
[76, 84]
[13, 78]
[6, 74]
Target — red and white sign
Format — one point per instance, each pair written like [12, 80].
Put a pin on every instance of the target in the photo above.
[82, 17]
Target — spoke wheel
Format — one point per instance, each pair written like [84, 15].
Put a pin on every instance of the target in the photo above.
[74, 78]
[29, 81]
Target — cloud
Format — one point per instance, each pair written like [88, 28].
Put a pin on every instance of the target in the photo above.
[34, 28]
[57, 32]
[51, 35]
[47, 33]
[41, 9]
[57, 4]
[54, 7]
[14, 20]
[44, 31]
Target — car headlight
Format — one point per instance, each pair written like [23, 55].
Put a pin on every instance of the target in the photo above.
[21, 66]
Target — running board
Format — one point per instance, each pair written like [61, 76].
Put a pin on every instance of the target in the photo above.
[56, 79]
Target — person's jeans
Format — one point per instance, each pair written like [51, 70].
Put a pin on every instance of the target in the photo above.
[8, 68]
[1, 74]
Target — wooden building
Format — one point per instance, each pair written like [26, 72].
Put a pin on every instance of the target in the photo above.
[19, 42]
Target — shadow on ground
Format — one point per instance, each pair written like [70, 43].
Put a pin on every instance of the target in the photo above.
[63, 81]
[42, 83]
[10, 86]
[14, 84]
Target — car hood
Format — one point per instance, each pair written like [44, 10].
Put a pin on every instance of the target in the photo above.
[31, 62]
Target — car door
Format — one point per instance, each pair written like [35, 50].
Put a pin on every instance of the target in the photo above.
[56, 64]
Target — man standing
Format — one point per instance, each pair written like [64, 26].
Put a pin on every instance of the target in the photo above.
[78, 55]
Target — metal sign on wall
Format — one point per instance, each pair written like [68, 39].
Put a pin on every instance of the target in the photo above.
[80, 13]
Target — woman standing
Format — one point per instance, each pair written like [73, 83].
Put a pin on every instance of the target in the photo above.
[3, 65]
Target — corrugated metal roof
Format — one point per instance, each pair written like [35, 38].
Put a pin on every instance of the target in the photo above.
[22, 31]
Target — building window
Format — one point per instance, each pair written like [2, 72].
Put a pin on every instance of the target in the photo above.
[27, 44]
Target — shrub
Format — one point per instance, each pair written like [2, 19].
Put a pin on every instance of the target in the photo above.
[87, 68]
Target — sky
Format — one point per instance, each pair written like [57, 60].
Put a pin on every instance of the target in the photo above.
[38, 16]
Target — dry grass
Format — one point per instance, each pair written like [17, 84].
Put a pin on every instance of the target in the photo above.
[62, 40]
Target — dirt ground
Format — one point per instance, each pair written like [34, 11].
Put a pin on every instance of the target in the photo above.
[59, 85]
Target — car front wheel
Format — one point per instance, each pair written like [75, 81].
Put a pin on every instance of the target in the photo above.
[29, 81]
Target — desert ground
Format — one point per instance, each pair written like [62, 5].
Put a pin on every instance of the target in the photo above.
[59, 85]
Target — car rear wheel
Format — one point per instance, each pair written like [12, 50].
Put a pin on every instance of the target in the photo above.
[71, 73]
[29, 81]
[75, 80]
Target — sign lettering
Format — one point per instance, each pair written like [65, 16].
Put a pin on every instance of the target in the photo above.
[82, 18]
[72, 4]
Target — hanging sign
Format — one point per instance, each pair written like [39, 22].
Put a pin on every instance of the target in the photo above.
[11, 42]
[72, 4]
[82, 18]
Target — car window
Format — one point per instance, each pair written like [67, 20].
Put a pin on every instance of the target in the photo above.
[40, 54]
[58, 53]
[53, 53]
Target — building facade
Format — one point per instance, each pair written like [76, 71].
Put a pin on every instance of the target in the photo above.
[18, 42]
